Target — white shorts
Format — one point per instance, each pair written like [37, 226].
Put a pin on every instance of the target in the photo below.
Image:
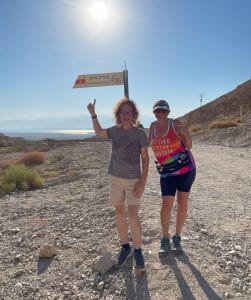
[121, 191]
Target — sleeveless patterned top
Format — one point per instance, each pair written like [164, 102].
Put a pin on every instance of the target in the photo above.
[168, 147]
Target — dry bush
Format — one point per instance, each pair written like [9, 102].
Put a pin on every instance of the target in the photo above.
[5, 164]
[222, 124]
[195, 128]
[20, 178]
[53, 174]
[32, 158]
[72, 172]
[57, 157]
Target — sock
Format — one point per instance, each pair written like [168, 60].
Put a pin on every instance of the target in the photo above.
[137, 250]
[126, 246]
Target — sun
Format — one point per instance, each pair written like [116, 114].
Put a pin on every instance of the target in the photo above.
[99, 11]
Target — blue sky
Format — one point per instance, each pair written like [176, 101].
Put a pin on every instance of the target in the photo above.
[174, 49]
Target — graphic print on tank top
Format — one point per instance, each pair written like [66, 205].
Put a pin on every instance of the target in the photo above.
[168, 147]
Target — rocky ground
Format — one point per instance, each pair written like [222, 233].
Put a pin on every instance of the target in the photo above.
[72, 213]
[239, 136]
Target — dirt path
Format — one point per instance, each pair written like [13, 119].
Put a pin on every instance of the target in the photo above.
[71, 213]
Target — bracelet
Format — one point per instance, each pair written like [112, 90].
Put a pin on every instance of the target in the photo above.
[94, 117]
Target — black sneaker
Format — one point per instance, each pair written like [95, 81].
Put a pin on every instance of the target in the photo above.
[165, 247]
[122, 257]
[176, 244]
[139, 262]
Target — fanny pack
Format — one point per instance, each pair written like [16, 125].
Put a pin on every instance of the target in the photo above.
[182, 161]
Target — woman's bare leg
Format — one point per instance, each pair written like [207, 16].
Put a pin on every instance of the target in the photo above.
[165, 214]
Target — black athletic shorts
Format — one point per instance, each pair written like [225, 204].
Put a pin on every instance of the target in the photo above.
[182, 183]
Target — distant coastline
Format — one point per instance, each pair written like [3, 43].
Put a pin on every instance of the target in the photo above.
[61, 134]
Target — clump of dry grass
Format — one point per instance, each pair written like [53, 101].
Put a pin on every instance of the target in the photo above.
[32, 158]
[195, 128]
[222, 124]
[7, 163]
[57, 157]
[53, 174]
[21, 178]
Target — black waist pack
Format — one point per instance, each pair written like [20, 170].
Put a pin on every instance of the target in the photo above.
[183, 161]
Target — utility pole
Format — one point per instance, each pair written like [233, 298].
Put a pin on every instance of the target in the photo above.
[201, 98]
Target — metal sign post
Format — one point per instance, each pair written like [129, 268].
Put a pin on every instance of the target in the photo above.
[126, 89]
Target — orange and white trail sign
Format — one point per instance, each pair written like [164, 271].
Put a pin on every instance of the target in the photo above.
[103, 79]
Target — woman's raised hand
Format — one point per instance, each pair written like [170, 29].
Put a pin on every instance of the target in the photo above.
[91, 107]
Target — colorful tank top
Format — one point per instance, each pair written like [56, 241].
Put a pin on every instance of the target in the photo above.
[168, 147]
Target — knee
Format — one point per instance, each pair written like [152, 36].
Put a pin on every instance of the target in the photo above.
[133, 217]
[120, 211]
[166, 207]
[182, 203]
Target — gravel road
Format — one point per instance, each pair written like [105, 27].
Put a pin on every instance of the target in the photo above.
[72, 213]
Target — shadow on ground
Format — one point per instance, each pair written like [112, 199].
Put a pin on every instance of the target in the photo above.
[185, 290]
[43, 264]
[136, 288]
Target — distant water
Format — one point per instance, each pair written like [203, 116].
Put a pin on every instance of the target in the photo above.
[50, 134]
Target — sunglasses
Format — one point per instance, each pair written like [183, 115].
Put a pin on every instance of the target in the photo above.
[160, 110]
[126, 112]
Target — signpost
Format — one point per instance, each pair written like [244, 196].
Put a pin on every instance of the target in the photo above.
[103, 79]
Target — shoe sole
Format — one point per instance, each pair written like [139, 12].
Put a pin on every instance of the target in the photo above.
[139, 273]
[129, 255]
[164, 253]
[178, 251]
[139, 269]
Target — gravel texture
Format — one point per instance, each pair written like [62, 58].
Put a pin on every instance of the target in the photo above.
[72, 214]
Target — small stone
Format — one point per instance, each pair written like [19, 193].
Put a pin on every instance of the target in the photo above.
[238, 295]
[232, 252]
[238, 247]
[100, 286]
[47, 251]
[105, 263]
[18, 285]
[15, 230]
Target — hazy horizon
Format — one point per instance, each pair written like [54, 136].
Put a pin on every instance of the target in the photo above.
[174, 50]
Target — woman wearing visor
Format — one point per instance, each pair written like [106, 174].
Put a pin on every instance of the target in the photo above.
[171, 144]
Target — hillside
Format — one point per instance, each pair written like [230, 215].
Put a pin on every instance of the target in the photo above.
[224, 107]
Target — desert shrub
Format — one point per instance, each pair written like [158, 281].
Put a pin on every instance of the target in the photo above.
[7, 163]
[195, 128]
[20, 178]
[72, 172]
[57, 157]
[32, 158]
[53, 174]
[7, 150]
[222, 124]
[19, 148]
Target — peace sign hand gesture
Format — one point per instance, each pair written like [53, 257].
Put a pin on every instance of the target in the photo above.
[91, 108]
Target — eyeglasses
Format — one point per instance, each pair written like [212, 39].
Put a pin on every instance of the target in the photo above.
[126, 112]
[160, 110]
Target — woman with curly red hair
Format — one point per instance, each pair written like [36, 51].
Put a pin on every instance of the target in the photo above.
[127, 180]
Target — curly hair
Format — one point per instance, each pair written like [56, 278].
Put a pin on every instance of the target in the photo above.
[130, 103]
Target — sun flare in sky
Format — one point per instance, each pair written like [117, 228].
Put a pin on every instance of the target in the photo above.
[99, 11]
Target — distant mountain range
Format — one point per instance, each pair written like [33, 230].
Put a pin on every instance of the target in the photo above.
[227, 106]
[80, 122]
